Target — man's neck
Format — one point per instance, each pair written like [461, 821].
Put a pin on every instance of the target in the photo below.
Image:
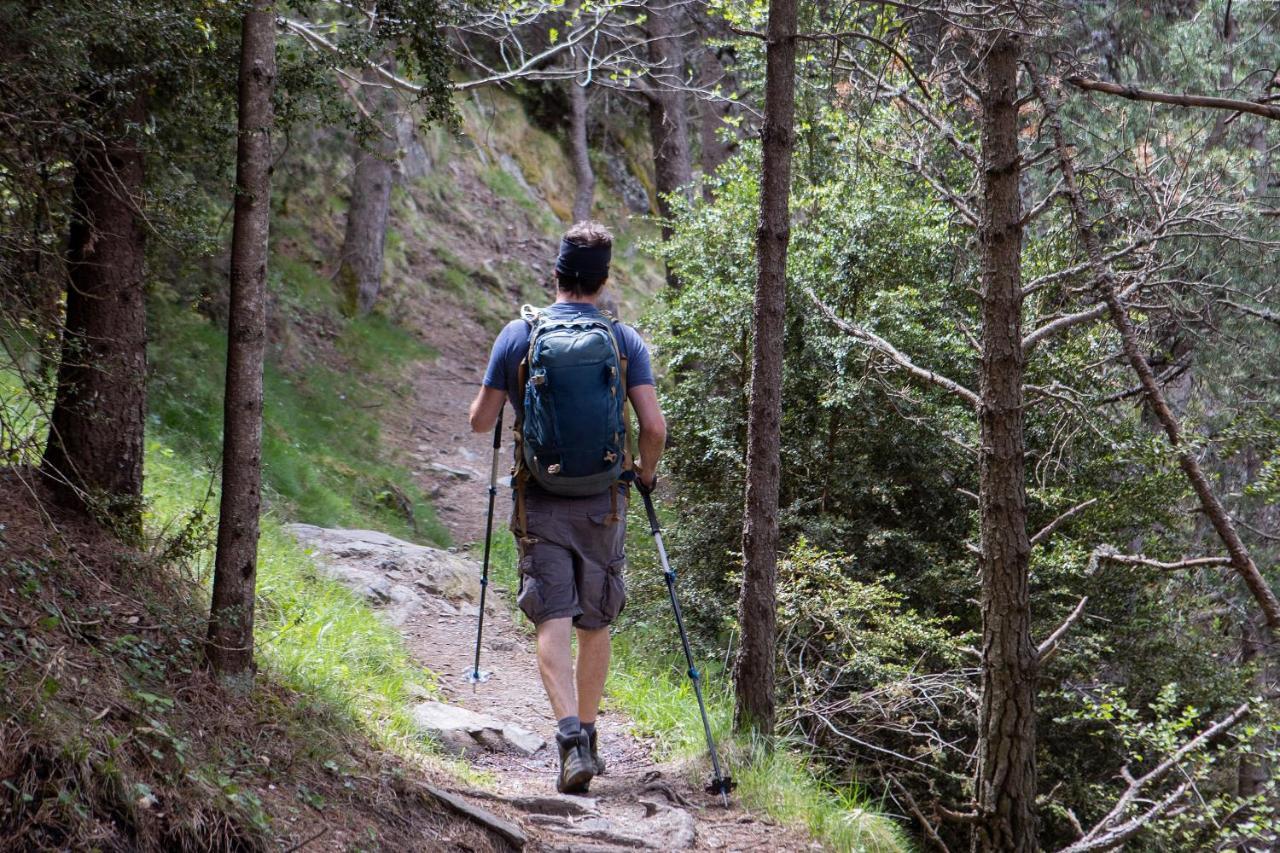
[578, 298]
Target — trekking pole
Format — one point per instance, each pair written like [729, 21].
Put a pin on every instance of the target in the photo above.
[720, 783]
[476, 676]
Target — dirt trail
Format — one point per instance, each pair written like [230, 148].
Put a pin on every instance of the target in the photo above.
[639, 803]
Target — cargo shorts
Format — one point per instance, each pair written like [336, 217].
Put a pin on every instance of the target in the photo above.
[571, 564]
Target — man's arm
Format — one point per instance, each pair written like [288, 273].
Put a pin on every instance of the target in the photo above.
[485, 408]
[653, 431]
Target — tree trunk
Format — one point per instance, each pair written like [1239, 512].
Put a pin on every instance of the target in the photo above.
[230, 642]
[585, 196]
[1254, 770]
[668, 119]
[757, 617]
[579, 150]
[713, 150]
[360, 270]
[1006, 780]
[94, 452]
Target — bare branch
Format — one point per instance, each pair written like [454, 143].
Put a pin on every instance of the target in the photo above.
[1135, 94]
[1047, 530]
[1261, 313]
[880, 345]
[1049, 647]
[1107, 834]
[1070, 321]
[1144, 560]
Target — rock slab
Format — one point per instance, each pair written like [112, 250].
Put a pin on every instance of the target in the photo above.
[397, 577]
[469, 733]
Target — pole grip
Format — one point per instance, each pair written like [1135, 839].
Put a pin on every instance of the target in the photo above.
[647, 494]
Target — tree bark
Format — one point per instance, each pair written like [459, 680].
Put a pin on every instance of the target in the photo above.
[757, 617]
[229, 648]
[360, 269]
[1006, 779]
[668, 119]
[93, 456]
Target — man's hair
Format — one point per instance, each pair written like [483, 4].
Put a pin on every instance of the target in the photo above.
[588, 234]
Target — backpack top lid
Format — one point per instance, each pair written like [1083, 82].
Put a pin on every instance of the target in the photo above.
[572, 429]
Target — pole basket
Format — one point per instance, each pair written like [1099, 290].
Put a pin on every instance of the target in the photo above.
[477, 676]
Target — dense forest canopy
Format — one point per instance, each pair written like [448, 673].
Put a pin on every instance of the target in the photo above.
[965, 314]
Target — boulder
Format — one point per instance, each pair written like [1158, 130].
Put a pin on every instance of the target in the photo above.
[468, 733]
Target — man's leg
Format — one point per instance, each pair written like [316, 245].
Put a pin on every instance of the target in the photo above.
[555, 663]
[593, 669]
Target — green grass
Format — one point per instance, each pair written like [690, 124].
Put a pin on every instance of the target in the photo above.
[654, 691]
[322, 455]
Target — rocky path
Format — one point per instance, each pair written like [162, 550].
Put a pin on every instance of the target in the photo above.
[504, 725]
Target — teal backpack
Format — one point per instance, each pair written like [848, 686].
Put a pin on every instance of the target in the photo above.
[572, 436]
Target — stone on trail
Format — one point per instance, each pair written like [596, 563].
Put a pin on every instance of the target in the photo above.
[653, 826]
[371, 563]
[469, 733]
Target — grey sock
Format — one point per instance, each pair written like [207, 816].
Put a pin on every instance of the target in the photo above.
[589, 729]
[569, 727]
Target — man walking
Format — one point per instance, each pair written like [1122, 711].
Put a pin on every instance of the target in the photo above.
[569, 529]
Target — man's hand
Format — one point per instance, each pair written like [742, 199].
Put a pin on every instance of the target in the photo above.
[646, 482]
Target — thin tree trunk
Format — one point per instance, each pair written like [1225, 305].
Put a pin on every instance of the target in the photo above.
[93, 456]
[360, 270]
[713, 150]
[668, 120]
[230, 641]
[757, 617]
[1006, 780]
[580, 151]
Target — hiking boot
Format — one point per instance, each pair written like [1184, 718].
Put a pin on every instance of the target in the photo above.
[596, 759]
[576, 766]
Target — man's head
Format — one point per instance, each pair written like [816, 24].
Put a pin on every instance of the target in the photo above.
[583, 265]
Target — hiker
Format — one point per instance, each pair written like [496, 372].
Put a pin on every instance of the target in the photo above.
[569, 513]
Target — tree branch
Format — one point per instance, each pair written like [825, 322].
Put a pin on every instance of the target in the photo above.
[1049, 647]
[1047, 530]
[1260, 313]
[1105, 835]
[887, 349]
[1144, 560]
[1135, 94]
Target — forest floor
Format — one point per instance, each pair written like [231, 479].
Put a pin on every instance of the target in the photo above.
[641, 802]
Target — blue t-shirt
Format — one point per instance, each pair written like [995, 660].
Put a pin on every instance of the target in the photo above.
[512, 346]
